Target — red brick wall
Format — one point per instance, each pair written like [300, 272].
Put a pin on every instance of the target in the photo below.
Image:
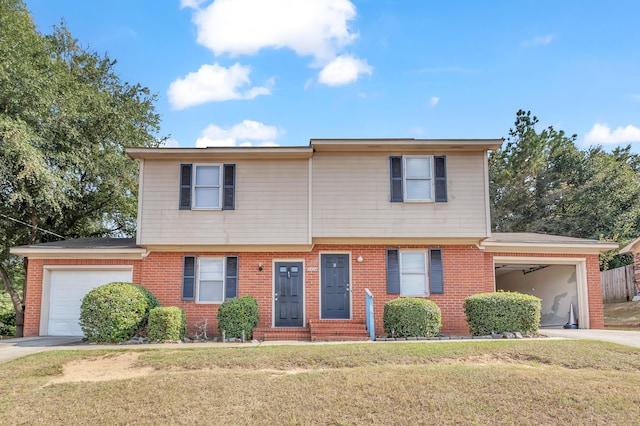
[467, 270]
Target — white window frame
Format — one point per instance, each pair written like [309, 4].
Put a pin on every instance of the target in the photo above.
[430, 179]
[424, 273]
[224, 284]
[194, 186]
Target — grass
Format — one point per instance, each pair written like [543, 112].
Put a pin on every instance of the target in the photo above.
[624, 314]
[496, 382]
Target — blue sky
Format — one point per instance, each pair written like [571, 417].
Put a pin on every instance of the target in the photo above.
[280, 72]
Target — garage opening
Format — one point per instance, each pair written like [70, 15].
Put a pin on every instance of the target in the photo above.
[63, 291]
[555, 284]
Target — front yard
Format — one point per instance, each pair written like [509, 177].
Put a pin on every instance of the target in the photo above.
[472, 382]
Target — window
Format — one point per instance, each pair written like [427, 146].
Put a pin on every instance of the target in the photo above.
[209, 279]
[207, 186]
[413, 273]
[418, 178]
[210, 286]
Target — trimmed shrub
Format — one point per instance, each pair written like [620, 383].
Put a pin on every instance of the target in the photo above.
[489, 313]
[113, 312]
[237, 314]
[166, 323]
[7, 323]
[411, 317]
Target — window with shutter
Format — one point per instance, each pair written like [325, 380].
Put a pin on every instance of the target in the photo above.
[209, 279]
[207, 186]
[414, 273]
[418, 178]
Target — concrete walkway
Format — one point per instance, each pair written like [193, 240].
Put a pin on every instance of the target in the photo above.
[622, 337]
[11, 349]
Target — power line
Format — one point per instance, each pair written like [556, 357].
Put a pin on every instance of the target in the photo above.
[31, 226]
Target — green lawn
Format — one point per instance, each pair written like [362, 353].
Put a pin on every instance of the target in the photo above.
[492, 382]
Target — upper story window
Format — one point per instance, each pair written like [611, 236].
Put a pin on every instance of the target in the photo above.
[207, 193]
[418, 178]
[207, 186]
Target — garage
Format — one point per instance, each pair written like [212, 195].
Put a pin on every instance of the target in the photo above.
[63, 291]
[555, 284]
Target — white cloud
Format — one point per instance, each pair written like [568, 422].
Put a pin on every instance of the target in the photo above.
[214, 83]
[343, 70]
[602, 134]
[246, 133]
[193, 4]
[434, 101]
[539, 40]
[316, 28]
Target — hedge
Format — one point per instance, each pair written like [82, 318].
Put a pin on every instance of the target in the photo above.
[114, 312]
[237, 314]
[411, 317]
[166, 323]
[489, 313]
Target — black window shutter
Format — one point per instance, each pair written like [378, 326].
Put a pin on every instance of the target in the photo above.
[229, 202]
[396, 178]
[185, 186]
[188, 278]
[393, 271]
[441, 178]
[436, 279]
[231, 280]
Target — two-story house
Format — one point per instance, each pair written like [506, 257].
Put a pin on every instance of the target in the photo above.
[307, 231]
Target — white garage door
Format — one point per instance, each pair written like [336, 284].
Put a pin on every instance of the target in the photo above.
[67, 289]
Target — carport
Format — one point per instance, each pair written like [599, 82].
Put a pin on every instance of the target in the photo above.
[561, 271]
[555, 284]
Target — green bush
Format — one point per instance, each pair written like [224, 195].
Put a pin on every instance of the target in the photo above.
[166, 323]
[237, 314]
[113, 312]
[411, 317]
[489, 313]
[7, 323]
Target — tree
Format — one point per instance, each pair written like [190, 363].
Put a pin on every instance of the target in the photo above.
[65, 119]
[541, 182]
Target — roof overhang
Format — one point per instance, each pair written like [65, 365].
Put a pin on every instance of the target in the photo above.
[35, 252]
[221, 153]
[395, 145]
[632, 247]
[548, 247]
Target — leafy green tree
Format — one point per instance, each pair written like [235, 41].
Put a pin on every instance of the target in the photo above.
[542, 182]
[65, 119]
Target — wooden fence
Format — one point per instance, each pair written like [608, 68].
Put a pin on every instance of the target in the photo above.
[617, 284]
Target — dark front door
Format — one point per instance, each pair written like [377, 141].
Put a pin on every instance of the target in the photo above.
[334, 289]
[288, 298]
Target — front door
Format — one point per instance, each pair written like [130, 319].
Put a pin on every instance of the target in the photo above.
[334, 287]
[288, 295]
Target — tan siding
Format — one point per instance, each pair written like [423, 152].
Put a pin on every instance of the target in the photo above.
[351, 199]
[271, 206]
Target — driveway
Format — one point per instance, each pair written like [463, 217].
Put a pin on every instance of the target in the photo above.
[16, 348]
[622, 337]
